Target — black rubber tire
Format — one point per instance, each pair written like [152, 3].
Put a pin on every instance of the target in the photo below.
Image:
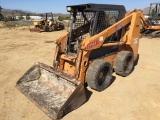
[155, 34]
[124, 63]
[37, 27]
[61, 26]
[97, 68]
[136, 61]
[45, 28]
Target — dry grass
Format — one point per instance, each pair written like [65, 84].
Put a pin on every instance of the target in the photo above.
[12, 24]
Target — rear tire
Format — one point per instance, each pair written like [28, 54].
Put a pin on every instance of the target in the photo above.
[124, 63]
[61, 26]
[99, 75]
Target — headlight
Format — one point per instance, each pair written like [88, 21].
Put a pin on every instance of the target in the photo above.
[69, 9]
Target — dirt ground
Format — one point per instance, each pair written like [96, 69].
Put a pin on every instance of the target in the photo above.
[136, 97]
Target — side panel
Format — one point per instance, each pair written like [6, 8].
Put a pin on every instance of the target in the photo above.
[62, 42]
[84, 65]
[134, 34]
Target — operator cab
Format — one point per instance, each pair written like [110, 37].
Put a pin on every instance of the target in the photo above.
[154, 10]
[90, 19]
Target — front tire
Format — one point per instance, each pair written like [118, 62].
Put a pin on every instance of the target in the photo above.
[54, 28]
[45, 28]
[99, 75]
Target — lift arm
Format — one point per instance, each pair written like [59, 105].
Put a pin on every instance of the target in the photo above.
[130, 26]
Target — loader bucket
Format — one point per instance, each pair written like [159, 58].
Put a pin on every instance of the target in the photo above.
[54, 93]
[34, 30]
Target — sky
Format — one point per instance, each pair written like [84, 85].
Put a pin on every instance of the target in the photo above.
[59, 6]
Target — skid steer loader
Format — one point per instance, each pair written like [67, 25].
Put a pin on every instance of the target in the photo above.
[154, 10]
[47, 25]
[101, 38]
[153, 28]
[153, 21]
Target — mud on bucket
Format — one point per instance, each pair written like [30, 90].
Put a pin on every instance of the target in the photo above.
[54, 93]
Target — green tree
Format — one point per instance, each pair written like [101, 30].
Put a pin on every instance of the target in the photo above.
[9, 18]
[67, 18]
[12, 15]
[1, 17]
[41, 15]
[60, 18]
[20, 17]
[28, 17]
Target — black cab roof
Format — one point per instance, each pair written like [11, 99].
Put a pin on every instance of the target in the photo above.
[95, 7]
